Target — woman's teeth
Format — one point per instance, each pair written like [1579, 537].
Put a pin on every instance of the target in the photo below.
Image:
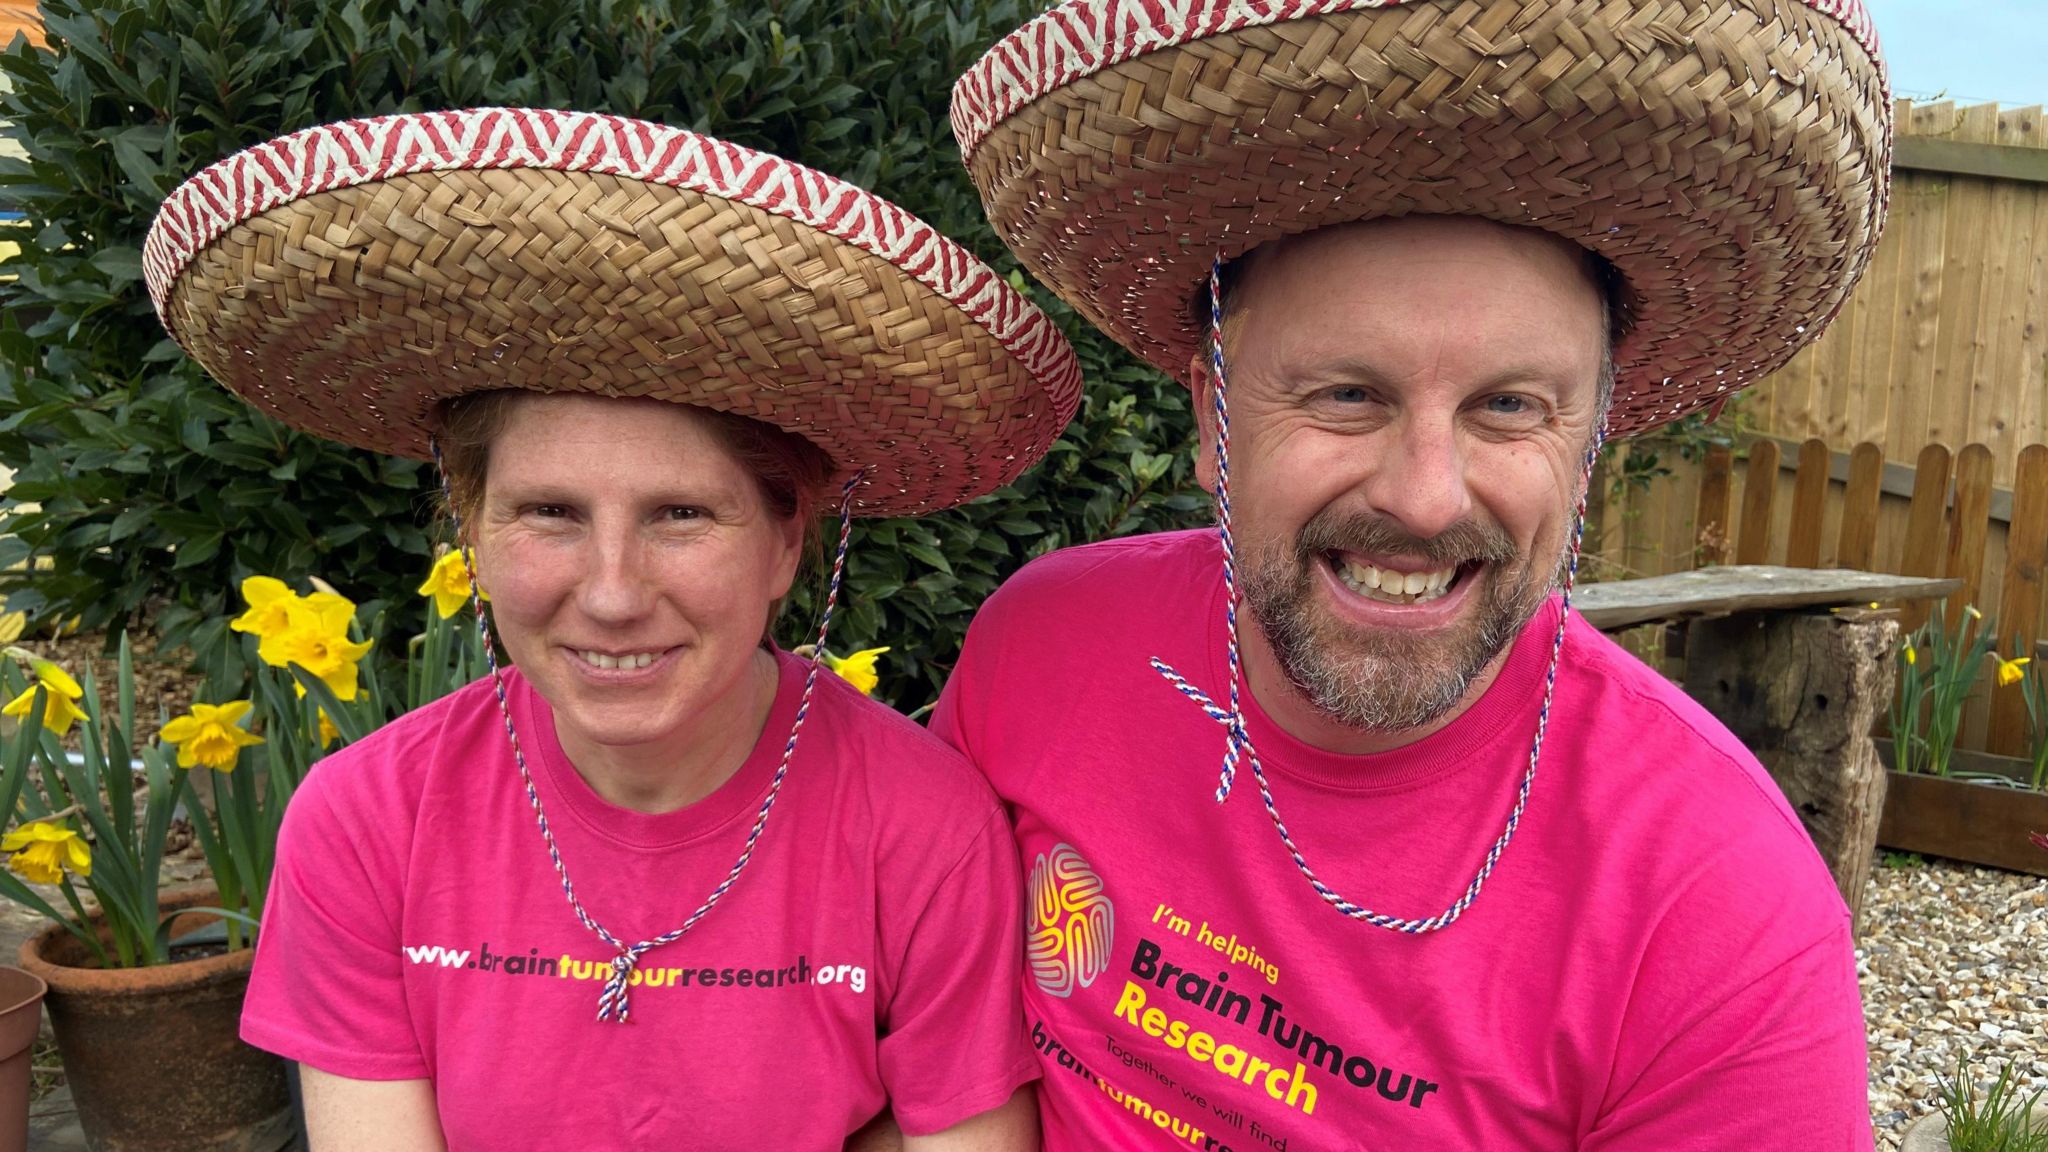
[629, 660]
[1395, 587]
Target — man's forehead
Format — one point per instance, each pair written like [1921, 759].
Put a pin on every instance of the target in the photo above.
[1393, 259]
[1314, 254]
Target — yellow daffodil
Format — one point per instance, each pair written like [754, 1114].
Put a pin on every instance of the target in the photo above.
[61, 710]
[315, 637]
[448, 583]
[1912, 657]
[2009, 671]
[267, 599]
[328, 731]
[857, 669]
[211, 736]
[43, 851]
[1970, 610]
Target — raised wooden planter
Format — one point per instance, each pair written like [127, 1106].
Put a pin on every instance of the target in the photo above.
[1966, 820]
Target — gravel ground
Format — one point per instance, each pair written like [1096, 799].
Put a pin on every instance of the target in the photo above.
[1954, 963]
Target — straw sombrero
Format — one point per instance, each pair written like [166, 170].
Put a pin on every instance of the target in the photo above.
[1730, 159]
[349, 278]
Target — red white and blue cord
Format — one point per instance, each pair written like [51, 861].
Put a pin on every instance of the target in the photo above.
[614, 1002]
[1238, 742]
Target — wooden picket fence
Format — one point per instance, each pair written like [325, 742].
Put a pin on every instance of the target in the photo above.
[1946, 533]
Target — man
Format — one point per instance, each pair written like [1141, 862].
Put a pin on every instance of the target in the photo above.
[1491, 884]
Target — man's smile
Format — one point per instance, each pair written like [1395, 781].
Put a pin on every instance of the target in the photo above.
[1396, 580]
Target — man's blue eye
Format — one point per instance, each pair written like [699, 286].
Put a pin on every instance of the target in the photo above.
[1508, 405]
[1348, 395]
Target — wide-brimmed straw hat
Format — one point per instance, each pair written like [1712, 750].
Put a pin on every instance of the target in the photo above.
[348, 279]
[1731, 159]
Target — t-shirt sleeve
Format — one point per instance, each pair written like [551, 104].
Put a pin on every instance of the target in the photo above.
[953, 715]
[1751, 1023]
[954, 1044]
[327, 989]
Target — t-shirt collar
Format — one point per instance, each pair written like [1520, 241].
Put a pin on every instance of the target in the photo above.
[563, 787]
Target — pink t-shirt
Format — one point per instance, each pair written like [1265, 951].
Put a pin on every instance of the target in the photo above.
[869, 953]
[1658, 963]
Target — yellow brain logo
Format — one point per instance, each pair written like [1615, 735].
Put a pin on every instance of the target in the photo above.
[1067, 935]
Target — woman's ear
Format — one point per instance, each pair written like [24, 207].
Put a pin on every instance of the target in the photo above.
[792, 534]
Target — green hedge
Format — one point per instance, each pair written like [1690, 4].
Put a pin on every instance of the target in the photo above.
[158, 491]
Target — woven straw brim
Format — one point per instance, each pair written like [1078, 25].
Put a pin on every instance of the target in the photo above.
[349, 296]
[1731, 160]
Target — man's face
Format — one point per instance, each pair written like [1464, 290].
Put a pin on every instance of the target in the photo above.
[1411, 403]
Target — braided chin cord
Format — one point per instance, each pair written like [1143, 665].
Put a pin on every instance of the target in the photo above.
[1237, 742]
[614, 1002]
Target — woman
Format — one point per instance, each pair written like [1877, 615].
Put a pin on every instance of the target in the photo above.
[644, 358]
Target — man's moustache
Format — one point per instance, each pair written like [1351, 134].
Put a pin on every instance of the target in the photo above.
[1368, 534]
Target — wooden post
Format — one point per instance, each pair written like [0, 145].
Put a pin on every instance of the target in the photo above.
[1967, 532]
[1802, 691]
[1809, 506]
[2019, 608]
[1857, 546]
[1759, 489]
[1921, 554]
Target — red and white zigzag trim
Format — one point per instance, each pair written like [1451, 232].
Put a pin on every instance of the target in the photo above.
[1081, 37]
[356, 152]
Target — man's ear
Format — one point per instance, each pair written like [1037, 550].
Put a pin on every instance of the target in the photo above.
[1203, 387]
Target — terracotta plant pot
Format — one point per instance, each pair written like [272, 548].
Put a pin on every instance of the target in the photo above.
[151, 1054]
[21, 1017]
[1930, 1133]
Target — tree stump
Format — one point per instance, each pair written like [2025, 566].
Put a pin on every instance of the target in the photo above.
[1803, 692]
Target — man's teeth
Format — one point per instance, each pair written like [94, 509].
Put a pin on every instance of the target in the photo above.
[629, 660]
[1395, 587]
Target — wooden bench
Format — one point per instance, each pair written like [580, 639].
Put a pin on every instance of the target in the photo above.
[1797, 662]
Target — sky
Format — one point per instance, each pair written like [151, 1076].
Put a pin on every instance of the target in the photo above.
[1971, 51]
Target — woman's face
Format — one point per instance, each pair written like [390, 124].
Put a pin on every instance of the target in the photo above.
[631, 563]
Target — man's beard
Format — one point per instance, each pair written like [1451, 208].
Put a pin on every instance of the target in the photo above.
[1390, 679]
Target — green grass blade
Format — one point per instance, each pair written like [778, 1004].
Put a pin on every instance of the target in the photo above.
[348, 721]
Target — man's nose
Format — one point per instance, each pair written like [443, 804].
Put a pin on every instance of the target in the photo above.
[1420, 478]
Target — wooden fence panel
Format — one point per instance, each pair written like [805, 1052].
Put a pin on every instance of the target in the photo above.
[1759, 490]
[1962, 293]
[1920, 212]
[1857, 545]
[1809, 506]
[1965, 558]
[2004, 310]
[2019, 602]
[1712, 517]
[1921, 552]
[2030, 412]
[1943, 516]
[1946, 335]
